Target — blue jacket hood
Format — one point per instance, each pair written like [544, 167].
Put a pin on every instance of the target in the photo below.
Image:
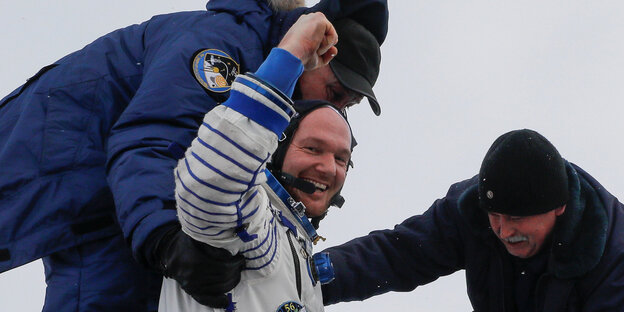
[372, 14]
[239, 7]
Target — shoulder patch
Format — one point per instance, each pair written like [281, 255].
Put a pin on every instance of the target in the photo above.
[215, 70]
[291, 306]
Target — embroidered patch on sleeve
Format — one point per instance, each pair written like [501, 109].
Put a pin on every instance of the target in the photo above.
[214, 70]
[291, 306]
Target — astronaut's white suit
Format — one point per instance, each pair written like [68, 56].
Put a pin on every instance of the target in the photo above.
[227, 198]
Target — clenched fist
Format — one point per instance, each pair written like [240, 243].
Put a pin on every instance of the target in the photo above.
[312, 39]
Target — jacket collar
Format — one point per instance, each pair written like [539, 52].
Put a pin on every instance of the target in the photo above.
[579, 236]
[372, 14]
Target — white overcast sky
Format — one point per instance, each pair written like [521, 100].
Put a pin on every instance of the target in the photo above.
[455, 75]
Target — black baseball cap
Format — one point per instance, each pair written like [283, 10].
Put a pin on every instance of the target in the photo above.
[357, 63]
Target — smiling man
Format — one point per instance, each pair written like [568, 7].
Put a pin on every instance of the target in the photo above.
[532, 231]
[523, 237]
[227, 198]
[523, 186]
[318, 154]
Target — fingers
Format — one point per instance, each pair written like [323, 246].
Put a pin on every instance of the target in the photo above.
[328, 56]
[330, 37]
[311, 39]
[326, 49]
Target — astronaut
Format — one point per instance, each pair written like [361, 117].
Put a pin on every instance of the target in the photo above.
[227, 198]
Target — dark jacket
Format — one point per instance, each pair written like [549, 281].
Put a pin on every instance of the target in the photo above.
[85, 143]
[585, 270]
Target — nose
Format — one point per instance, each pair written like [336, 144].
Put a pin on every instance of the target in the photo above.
[505, 229]
[326, 165]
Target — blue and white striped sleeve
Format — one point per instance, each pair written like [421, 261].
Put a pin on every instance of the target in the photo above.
[218, 196]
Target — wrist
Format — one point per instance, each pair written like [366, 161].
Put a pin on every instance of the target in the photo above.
[281, 69]
[156, 246]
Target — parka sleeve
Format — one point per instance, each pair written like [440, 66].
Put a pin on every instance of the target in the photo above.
[165, 111]
[416, 252]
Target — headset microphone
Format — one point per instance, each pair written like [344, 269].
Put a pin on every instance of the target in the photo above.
[301, 184]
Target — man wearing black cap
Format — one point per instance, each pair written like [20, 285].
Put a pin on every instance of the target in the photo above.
[351, 75]
[533, 232]
[523, 187]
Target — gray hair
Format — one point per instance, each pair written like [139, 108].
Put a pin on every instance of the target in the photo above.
[285, 5]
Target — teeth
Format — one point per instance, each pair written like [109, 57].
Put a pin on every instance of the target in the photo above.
[319, 186]
[516, 239]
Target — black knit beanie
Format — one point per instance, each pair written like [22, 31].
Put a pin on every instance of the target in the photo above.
[522, 174]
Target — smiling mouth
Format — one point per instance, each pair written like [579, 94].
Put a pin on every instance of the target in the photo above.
[319, 186]
[515, 240]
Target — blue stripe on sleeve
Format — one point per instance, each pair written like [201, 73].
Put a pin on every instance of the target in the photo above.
[211, 167]
[212, 202]
[225, 137]
[252, 196]
[257, 112]
[272, 256]
[278, 102]
[204, 220]
[204, 228]
[228, 158]
[253, 212]
[203, 234]
[204, 211]
[264, 240]
[214, 187]
[272, 242]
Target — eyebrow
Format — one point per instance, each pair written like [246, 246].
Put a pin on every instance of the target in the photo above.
[347, 153]
[314, 140]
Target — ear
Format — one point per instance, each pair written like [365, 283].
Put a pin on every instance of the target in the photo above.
[559, 211]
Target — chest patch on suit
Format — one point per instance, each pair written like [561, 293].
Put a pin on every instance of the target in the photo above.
[290, 306]
[215, 70]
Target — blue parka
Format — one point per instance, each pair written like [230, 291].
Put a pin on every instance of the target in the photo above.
[584, 270]
[85, 144]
